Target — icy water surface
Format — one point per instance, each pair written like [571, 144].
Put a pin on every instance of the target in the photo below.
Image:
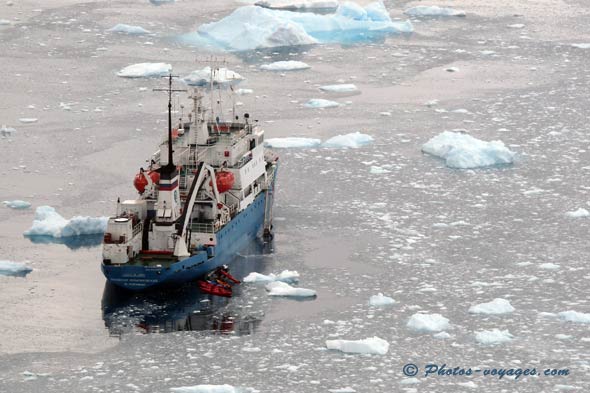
[381, 218]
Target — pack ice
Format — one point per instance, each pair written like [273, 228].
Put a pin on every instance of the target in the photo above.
[462, 151]
[145, 70]
[17, 204]
[434, 10]
[373, 346]
[428, 323]
[49, 222]
[8, 268]
[128, 29]
[495, 307]
[205, 76]
[274, 28]
[279, 288]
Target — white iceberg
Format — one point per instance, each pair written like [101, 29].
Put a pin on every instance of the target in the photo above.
[243, 92]
[290, 65]
[8, 268]
[145, 70]
[428, 323]
[423, 10]
[48, 222]
[574, 316]
[279, 288]
[353, 140]
[7, 131]
[373, 346]
[299, 5]
[287, 276]
[463, 151]
[274, 28]
[128, 29]
[219, 76]
[493, 337]
[292, 142]
[320, 103]
[17, 204]
[495, 307]
[5, 22]
[581, 212]
[211, 389]
[582, 46]
[341, 88]
[380, 300]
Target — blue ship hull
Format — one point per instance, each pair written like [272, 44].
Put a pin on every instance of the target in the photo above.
[231, 239]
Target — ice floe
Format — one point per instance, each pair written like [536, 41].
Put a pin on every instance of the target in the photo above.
[582, 46]
[279, 288]
[380, 300]
[17, 204]
[353, 140]
[495, 307]
[27, 120]
[220, 76]
[161, 2]
[145, 70]
[574, 316]
[493, 337]
[9, 268]
[428, 323]
[48, 222]
[423, 10]
[292, 142]
[275, 28]
[320, 103]
[462, 151]
[211, 389]
[128, 29]
[287, 276]
[6, 131]
[581, 212]
[302, 5]
[290, 65]
[341, 88]
[373, 345]
[4, 22]
[243, 92]
[377, 170]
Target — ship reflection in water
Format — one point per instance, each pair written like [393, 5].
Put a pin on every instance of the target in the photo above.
[185, 308]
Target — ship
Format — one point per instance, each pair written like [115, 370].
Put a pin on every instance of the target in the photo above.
[206, 194]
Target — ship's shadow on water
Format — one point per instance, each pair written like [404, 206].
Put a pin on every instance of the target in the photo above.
[185, 308]
[71, 242]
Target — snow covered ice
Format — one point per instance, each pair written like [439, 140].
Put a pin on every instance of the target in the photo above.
[373, 346]
[341, 88]
[428, 323]
[574, 316]
[128, 29]
[145, 70]
[292, 142]
[462, 151]
[380, 300]
[276, 28]
[221, 76]
[290, 65]
[353, 140]
[493, 337]
[434, 10]
[287, 276]
[48, 222]
[495, 307]
[9, 268]
[17, 204]
[321, 103]
[279, 288]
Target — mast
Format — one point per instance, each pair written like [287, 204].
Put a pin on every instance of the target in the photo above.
[170, 167]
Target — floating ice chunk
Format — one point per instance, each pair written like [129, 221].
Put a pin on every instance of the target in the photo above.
[128, 29]
[221, 76]
[463, 151]
[347, 389]
[377, 170]
[211, 389]
[27, 120]
[8, 268]
[516, 26]
[495, 307]
[548, 266]
[428, 323]
[581, 212]
[574, 316]
[423, 10]
[321, 103]
[285, 66]
[279, 288]
[301, 5]
[493, 337]
[4, 22]
[581, 46]
[243, 92]
[341, 88]
[442, 335]
[17, 204]
[373, 345]
[380, 300]
[287, 276]
[7, 131]
[292, 142]
[48, 222]
[161, 2]
[145, 70]
[353, 140]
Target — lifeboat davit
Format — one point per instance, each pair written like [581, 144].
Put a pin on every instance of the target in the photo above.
[140, 182]
[225, 181]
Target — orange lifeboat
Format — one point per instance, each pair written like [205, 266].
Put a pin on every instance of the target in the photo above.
[140, 182]
[225, 181]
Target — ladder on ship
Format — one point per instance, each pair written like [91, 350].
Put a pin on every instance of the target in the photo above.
[268, 202]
